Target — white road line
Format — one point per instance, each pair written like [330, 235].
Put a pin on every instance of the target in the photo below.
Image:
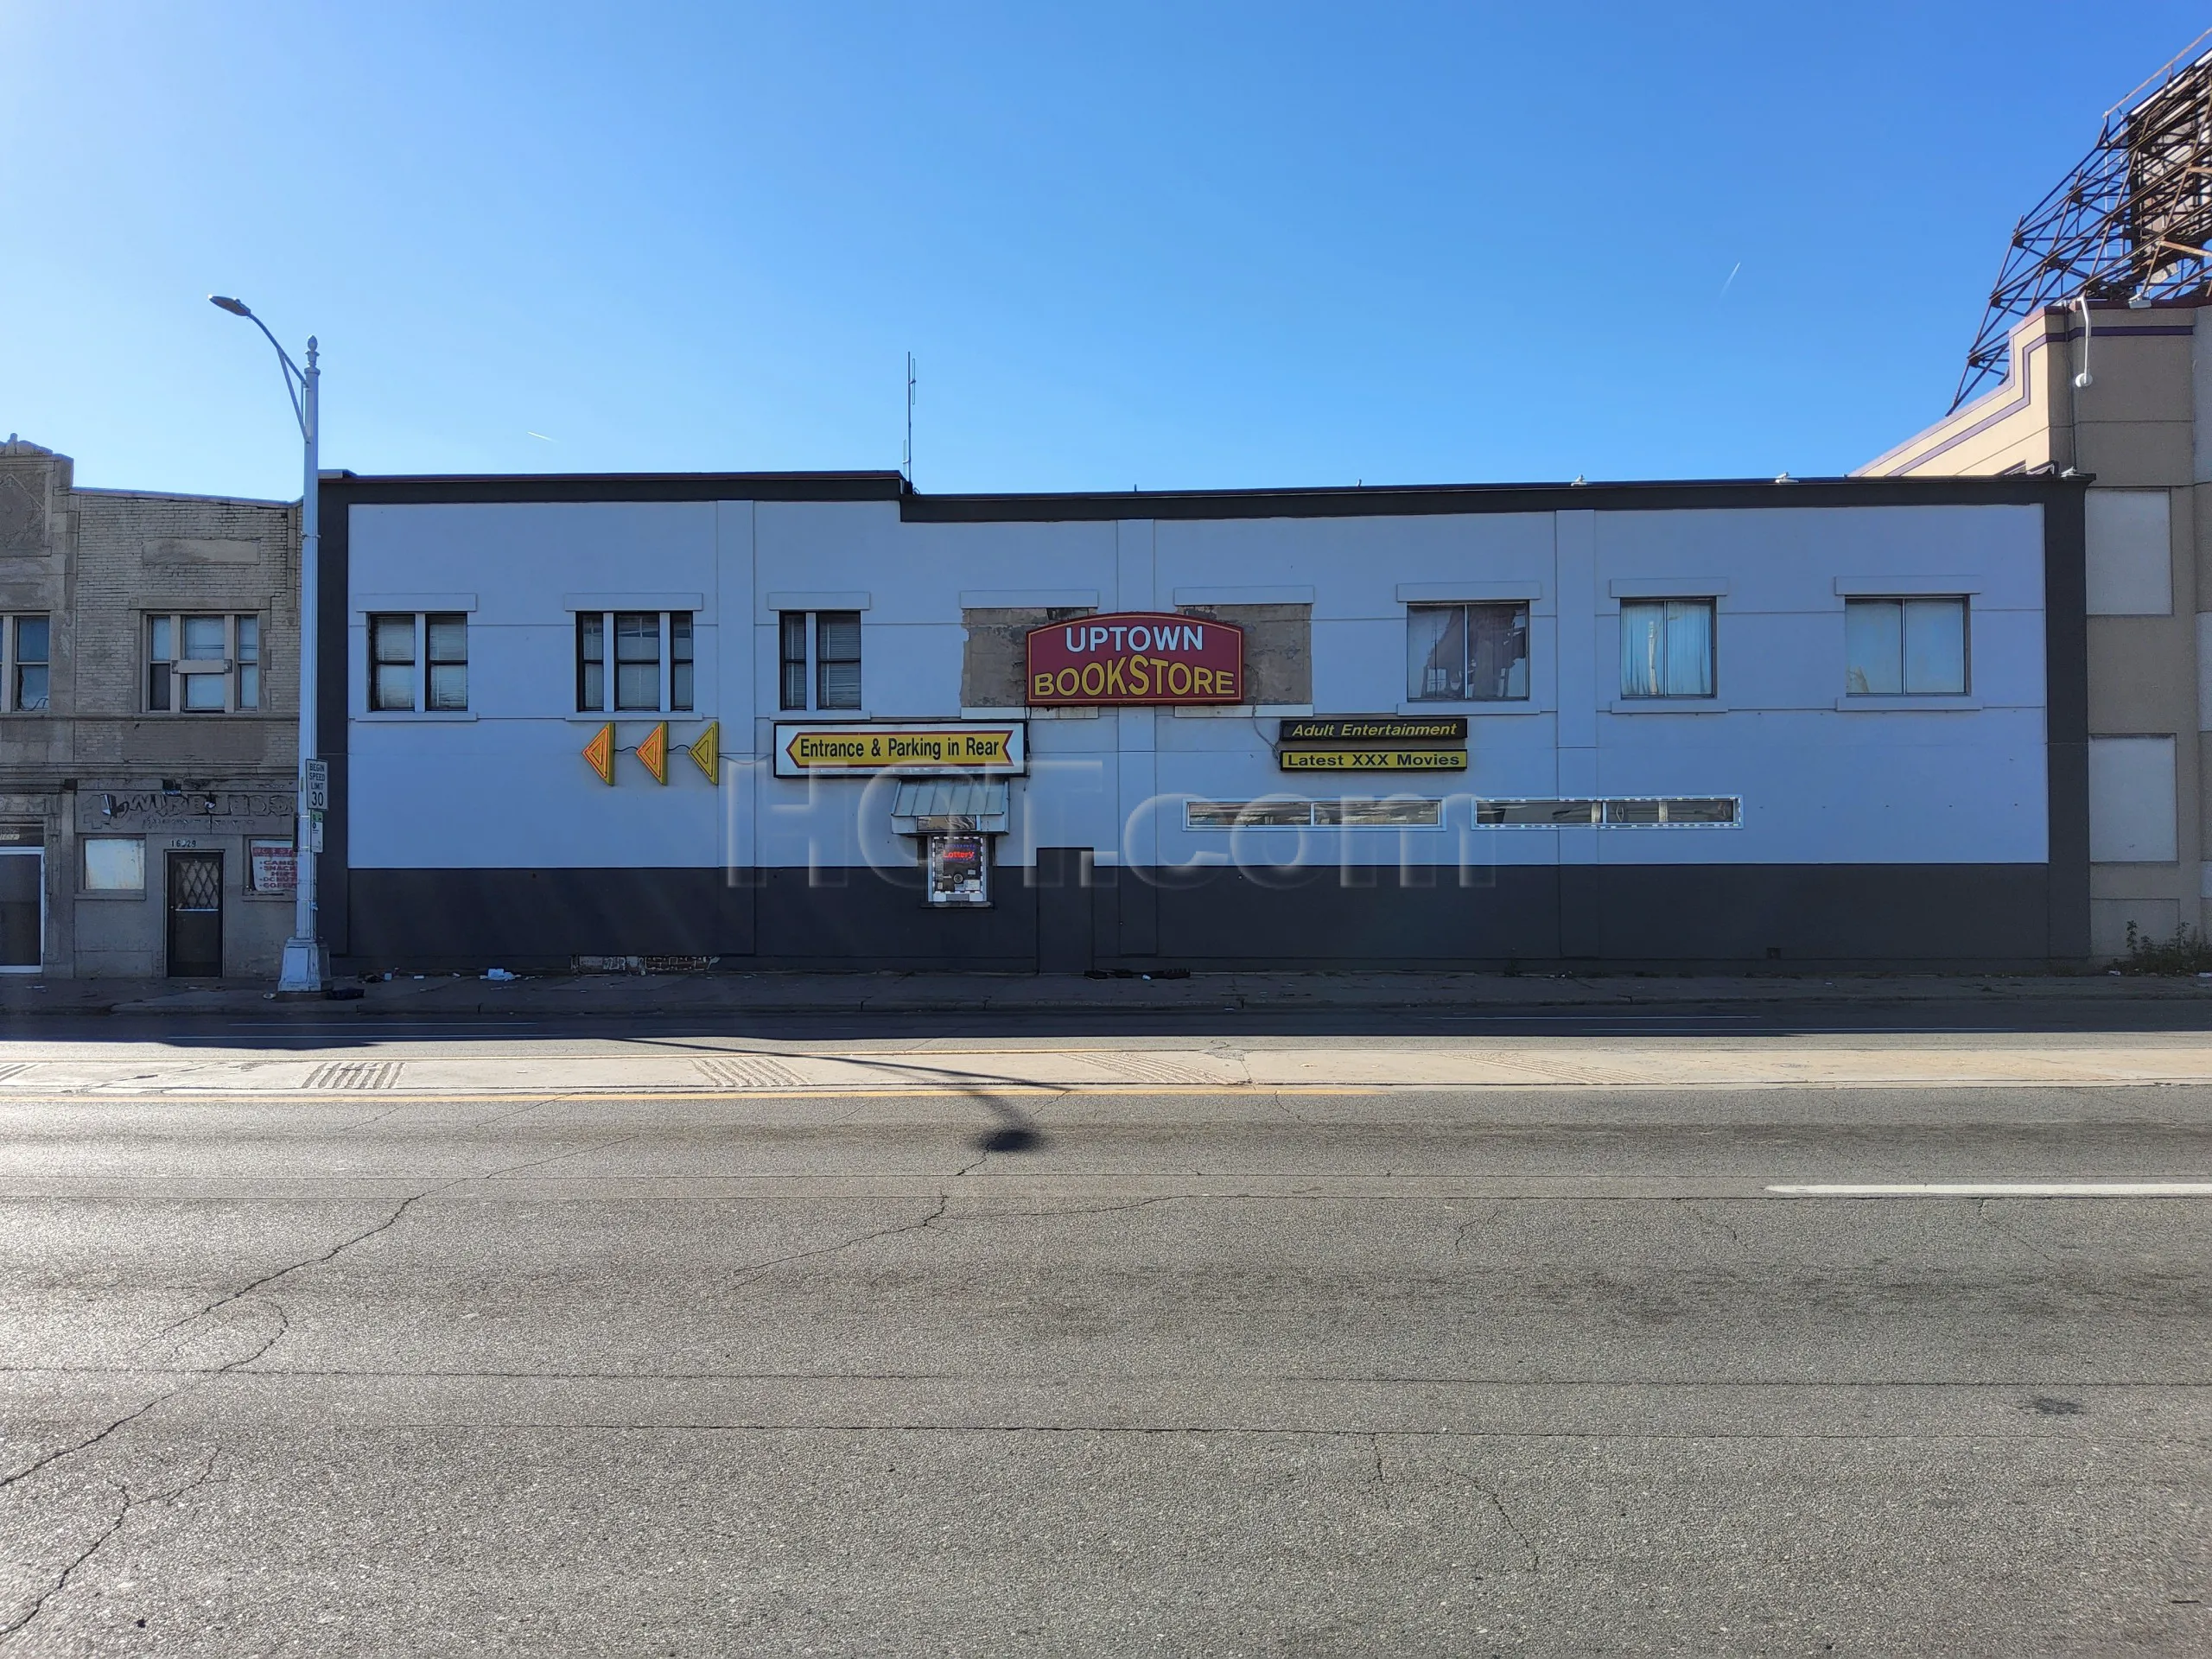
[1999, 1190]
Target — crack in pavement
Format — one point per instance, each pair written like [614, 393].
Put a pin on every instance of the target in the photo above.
[1689, 1207]
[1535, 1561]
[1981, 1211]
[61, 1579]
[331, 1254]
[122, 1515]
[1469, 1228]
[190, 1379]
[746, 1274]
[390, 1220]
[505, 1170]
[1100, 1210]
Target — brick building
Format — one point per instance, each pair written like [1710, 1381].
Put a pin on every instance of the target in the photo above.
[148, 727]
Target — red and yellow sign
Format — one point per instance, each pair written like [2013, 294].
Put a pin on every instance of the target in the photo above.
[599, 753]
[1135, 657]
[653, 751]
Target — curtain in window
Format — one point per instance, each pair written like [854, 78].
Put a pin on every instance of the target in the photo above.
[391, 661]
[1935, 648]
[837, 658]
[249, 662]
[1873, 647]
[591, 661]
[679, 659]
[446, 636]
[32, 634]
[1667, 648]
[637, 659]
[1497, 653]
[1436, 653]
[793, 659]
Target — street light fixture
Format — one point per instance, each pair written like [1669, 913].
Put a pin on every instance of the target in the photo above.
[306, 966]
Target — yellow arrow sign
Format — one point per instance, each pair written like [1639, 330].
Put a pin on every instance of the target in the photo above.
[600, 751]
[706, 752]
[653, 751]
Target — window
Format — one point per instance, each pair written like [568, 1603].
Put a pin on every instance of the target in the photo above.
[25, 643]
[1634, 812]
[203, 664]
[446, 636]
[392, 663]
[791, 630]
[591, 661]
[679, 660]
[652, 664]
[1667, 648]
[400, 639]
[1905, 647]
[1467, 653]
[835, 680]
[637, 659]
[1299, 815]
[115, 864]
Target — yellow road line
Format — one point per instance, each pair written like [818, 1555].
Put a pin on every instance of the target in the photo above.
[819, 1091]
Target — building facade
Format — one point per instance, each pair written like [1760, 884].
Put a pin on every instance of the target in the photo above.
[2139, 434]
[148, 727]
[822, 721]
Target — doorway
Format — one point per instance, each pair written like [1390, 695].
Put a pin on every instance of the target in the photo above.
[23, 908]
[196, 921]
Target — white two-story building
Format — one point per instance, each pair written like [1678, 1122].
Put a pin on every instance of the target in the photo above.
[801, 720]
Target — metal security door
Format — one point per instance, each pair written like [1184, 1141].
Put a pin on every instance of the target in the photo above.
[22, 892]
[195, 889]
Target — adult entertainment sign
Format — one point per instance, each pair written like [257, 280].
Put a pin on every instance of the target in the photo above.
[1375, 728]
[811, 750]
[1135, 657]
[1373, 743]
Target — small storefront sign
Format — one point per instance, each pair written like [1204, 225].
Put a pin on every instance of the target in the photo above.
[1373, 743]
[1375, 728]
[959, 870]
[1372, 759]
[274, 867]
[1135, 657]
[979, 751]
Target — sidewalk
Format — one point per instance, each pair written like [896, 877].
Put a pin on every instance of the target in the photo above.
[435, 996]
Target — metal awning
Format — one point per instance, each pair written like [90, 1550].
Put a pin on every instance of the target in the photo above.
[931, 806]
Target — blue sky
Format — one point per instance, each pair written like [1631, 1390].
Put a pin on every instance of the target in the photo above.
[1205, 245]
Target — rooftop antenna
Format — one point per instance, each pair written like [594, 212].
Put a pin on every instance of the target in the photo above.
[908, 466]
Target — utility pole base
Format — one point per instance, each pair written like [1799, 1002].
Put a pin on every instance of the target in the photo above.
[307, 966]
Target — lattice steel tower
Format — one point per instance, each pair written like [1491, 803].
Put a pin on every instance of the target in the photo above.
[2132, 222]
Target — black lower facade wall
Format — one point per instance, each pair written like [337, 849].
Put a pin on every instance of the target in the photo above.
[1065, 915]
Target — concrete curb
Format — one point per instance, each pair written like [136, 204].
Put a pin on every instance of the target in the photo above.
[455, 997]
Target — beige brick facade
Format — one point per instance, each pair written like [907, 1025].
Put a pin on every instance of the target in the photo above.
[2135, 429]
[99, 761]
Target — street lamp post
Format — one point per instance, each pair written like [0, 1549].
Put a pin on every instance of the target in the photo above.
[306, 966]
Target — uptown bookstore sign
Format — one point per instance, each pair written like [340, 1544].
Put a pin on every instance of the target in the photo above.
[1135, 657]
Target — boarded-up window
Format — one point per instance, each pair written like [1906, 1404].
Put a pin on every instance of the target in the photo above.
[2132, 818]
[1278, 648]
[995, 660]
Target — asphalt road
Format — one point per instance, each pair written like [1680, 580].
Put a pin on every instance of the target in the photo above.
[1179, 1370]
